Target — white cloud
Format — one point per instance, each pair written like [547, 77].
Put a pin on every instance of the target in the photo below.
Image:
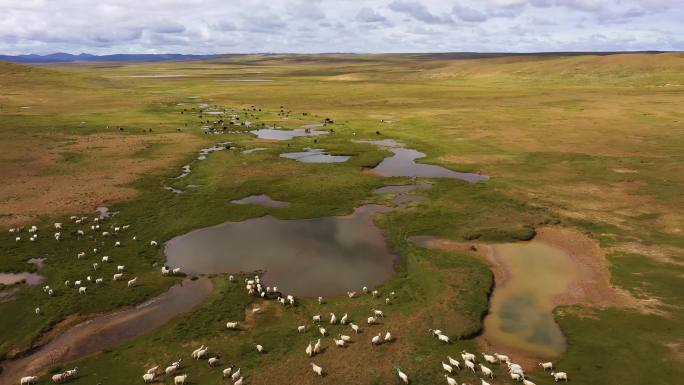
[224, 26]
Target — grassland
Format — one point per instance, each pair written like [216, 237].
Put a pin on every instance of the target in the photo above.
[588, 142]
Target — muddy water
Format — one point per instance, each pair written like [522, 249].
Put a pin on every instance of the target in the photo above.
[315, 155]
[276, 134]
[261, 200]
[403, 164]
[28, 278]
[109, 331]
[521, 308]
[307, 257]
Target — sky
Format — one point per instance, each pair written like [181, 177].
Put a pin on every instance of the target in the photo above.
[314, 26]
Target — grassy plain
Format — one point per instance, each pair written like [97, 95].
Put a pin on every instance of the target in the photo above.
[589, 142]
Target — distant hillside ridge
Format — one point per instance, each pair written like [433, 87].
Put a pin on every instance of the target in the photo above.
[61, 57]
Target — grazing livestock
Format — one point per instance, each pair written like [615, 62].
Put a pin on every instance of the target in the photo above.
[28, 380]
[37, 311]
[403, 376]
[484, 382]
[378, 313]
[447, 367]
[376, 340]
[153, 243]
[557, 376]
[317, 369]
[388, 337]
[501, 357]
[344, 319]
[454, 362]
[339, 343]
[528, 382]
[176, 271]
[170, 369]
[470, 365]
[345, 338]
[239, 381]
[444, 338]
[355, 328]
[486, 371]
[120, 268]
[316, 318]
[333, 319]
[259, 348]
[79, 255]
[165, 270]
[322, 331]
[320, 300]
[371, 320]
[301, 328]
[180, 380]
[117, 244]
[148, 377]
[546, 365]
[153, 369]
[98, 280]
[450, 381]
[105, 259]
[467, 356]
[488, 358]
[95, 266]
[309, 350]
[317, 346]
[213, 361]
[82, 290]
[235, 375]
[231, 325]
[132, 282]
[117, 276]
[516, 376]
[226, 371]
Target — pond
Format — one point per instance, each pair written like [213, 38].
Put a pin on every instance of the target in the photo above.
[261, 200]
[521, 309]
[13, 278]
[403, 164]
[278, 134]
[306, 257]
[315, 155]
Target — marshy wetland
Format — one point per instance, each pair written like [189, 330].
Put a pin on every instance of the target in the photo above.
[509, 225]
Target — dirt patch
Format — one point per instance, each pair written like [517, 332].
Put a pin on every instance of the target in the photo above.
[73, 174]
[350, 77]
[677, 350]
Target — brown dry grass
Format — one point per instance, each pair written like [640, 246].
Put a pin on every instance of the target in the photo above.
[38, 181]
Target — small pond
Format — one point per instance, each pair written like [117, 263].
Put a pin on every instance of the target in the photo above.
[261, 200]
[403, 164]
[315, 155]
[278, 134]
[13, 278]
[307, 257]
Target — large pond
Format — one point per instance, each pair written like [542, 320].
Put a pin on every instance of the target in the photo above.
[521, 309]
[260, 200]
[110, 330]
[14, 278]
[307, 257]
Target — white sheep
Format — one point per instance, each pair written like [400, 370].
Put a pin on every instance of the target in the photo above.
[148, 377]
[82, 290]
[528, 382]
[301, 328]
[470, 365]
[403, 376]
[132, 282]
[235, 375]
[370, 320]
[320, 300]
[454, 363]
[322, 331]
[447, 367]
[501, 357]
[239, 381]
[388, 337]
[486, 371]
[170, 369]
[95, 266]
[317, 369]
[309, 350]
[165, 270]
[546, 365]
[339, 343]
[37, 311]
[77, 283]
[117, 276]
[376, 340]
[344, 318]
[80, 232]
[317, 346]
[120, 268]
[80, 255]
[58, 226]
[516, 376]
[231, 325]
[28, 380]
[316, 318]
[365, 290]
[378, 313]
[450, 381]
[557, 376]
[117, 244]
[345, 338]
[152, 243]
[176, 271]
[98, 280]
[213, 361]
[467, 356]
[355, 328]
[333, 318]
[180, 380]
[105, 259]
[226, 372]
[444, 338]
[488, 358]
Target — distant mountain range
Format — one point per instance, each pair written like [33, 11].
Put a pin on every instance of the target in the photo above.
[67, 57]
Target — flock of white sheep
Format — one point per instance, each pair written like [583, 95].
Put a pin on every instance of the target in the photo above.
[254, 287]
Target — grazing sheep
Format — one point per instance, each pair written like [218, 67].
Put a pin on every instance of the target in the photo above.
[77, 283]
[320, 300]
[345, 338]
[339, 343]
[148, 377]
[488, 358]
[152, 243]
[117, 276]
[309, 350]
[37, 311]
[81, 254]
[317, 369]
[132, 282]
[546, 365]
[501, 357]
[447, 367]
[170, 369]
[528, 382]
[388, 337]
[301, 328]
[322, 331]
[370, 320]
[376, 340]
[105, 259]
[557, 376]
[82, 290]
[333, 318]
[95, 266]
[176, 271]
[317, 346]
[378, 313]
[235, 375]
[28, 380]
[450, 381]
[231, 325]
[316, 318]
[470, 365]
[58, 226]
[259, 348]
[444, 338]
[117, 244]
[213, 361]
[226, 371]
[486, 371]
[355, 328]
[344, 318]
[180, 380]
[239, 381]
[454, 362]
[403, 376]
[516, 376]
[467, 356]
[120, 268]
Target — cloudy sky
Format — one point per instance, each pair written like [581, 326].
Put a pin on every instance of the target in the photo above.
[233, 26]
